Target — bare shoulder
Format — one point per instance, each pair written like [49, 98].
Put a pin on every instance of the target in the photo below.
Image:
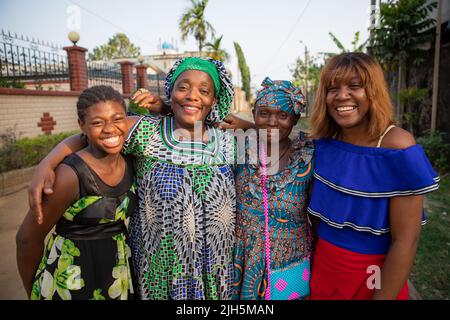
[398, 138]
[65, 172]
[66, 192]
[66, 181]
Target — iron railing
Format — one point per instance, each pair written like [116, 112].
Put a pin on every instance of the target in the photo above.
[105, 73]
[156, 83]
[31, 62]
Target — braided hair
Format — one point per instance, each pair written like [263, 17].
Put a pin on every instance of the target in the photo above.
[96, 94]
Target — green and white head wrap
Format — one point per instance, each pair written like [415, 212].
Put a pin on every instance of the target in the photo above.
[223, 87]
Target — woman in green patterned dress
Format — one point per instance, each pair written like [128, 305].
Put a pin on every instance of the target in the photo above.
[182, 233]
[87, 256]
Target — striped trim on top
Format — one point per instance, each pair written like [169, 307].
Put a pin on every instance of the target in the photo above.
[419, 191]
[352, 225]
[196, 147]
[130, 132]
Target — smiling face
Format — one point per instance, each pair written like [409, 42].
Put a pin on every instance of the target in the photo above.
[347, 102]
[192, 98]
[273, 118]
[104, 125]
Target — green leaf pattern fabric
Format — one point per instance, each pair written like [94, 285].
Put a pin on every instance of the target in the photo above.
[81, 204]
[59, 275]
[66, 277]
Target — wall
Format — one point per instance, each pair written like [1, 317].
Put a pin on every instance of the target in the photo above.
[37, 112]
[239, 103]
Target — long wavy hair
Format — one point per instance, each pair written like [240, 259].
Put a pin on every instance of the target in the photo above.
[341, 69]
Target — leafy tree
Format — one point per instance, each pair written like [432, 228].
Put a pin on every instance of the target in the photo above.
[245, 71]
[307, 77]
[193, 22]
[215, 51]
[405, 25]
[119, 46]
[310, 74]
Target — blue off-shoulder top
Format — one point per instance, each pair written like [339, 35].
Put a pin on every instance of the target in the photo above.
[353, 185]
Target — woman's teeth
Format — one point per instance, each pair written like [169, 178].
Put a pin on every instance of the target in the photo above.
[346, 108]
[191, 109]
[112, 141]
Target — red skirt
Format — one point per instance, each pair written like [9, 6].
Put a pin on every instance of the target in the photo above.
[340, 274]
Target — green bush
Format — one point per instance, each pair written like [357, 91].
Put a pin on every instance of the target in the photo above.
[436, 149]
[11, 84]
[16, 153]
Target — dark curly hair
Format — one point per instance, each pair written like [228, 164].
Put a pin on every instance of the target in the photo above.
[96, 94]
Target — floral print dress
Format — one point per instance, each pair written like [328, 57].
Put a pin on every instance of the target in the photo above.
[87, 256]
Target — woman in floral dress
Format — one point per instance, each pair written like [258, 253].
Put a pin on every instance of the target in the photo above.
[87, 256]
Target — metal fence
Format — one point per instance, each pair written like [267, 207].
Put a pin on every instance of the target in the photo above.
[156, 83]
[105, 73]
[34, 64]
[31, 63]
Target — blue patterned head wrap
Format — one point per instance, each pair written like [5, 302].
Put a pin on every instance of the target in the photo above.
[282, 94]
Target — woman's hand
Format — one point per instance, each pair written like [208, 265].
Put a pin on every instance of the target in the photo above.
[43, 181]
[234, 122]
[152, 102]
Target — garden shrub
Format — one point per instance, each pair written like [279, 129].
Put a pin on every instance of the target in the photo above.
[438, 152]
[18, 153]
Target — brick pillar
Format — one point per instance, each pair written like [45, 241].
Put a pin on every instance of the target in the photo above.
[127, 76]
[141, 71]
[77, 68]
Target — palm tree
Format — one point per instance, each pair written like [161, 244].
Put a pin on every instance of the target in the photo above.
[215, 51]
[193, 22]
[357, 47]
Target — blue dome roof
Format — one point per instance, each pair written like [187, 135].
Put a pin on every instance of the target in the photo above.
[167, 45]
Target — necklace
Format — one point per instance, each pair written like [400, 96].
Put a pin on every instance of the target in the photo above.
[279, 158]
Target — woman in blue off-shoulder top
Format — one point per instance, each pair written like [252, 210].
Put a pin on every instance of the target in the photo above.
[369, 184]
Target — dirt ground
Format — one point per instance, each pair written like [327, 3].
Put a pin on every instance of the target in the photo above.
[13, 209]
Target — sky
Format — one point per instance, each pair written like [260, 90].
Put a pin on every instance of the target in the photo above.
[272, 34]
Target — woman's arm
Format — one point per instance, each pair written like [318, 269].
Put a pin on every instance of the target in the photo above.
[405, 215]
[30, 237]
[234, 122]
[405, 218]
[44, 175]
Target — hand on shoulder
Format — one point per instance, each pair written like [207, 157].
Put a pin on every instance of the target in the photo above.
[398, 138]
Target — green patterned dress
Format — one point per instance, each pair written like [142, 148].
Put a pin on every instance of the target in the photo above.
[182, 234]
[87, 257]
